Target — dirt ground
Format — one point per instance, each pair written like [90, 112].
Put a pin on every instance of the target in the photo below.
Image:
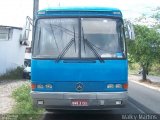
[6, 89]
[152, 82]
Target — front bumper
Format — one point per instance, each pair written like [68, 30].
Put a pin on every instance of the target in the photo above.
[62, 100]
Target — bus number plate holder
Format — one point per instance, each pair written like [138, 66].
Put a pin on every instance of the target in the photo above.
[79, 102]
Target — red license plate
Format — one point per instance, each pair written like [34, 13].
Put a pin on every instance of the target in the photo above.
[79, 102]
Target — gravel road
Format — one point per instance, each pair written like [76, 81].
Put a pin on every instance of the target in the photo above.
[6, 89]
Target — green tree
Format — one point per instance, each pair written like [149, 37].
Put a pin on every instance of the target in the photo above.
[156, 13]
[145, 50]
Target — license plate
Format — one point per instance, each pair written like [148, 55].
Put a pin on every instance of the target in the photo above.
[79, 102]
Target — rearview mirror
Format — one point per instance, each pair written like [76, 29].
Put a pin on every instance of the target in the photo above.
[25, 32]
[129, 30]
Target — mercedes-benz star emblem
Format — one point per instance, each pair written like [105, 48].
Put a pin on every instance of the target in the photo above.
[79, 86]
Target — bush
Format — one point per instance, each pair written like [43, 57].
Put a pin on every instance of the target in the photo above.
[155, 70]
[134, 68]
[13, 74]
[24, 107]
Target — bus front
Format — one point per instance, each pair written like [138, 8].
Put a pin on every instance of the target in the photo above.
[79, 59]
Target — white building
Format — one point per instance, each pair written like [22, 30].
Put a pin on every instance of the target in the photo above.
[11, 52]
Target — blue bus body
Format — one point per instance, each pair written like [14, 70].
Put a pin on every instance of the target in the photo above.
[78, 83]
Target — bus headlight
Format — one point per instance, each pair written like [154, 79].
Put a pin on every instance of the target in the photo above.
[118, 85]
[40, 86]
[110, 86]
[48, 86]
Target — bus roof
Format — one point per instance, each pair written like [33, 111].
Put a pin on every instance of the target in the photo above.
[95, 10]
[80, 9]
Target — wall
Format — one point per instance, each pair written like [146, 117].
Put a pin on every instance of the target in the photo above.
[11, 52]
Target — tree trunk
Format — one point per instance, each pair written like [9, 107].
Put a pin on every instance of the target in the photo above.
[144, 73]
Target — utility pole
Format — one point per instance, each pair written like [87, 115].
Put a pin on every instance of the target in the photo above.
[35, 10]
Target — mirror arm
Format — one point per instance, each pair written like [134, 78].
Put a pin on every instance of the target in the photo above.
[25, 32]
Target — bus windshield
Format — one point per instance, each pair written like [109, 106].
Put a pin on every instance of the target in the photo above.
[79, 38]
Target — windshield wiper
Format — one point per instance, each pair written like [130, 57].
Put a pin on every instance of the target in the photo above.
[64, 51]
[89, 44]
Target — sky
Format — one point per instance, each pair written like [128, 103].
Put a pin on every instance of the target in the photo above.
[14, 12]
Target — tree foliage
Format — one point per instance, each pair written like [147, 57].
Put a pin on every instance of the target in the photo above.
[145, 50]
[156, 15]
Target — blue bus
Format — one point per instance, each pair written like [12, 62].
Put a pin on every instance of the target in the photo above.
[79, 59]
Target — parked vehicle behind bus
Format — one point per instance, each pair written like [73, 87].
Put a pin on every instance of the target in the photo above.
[27, 64]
